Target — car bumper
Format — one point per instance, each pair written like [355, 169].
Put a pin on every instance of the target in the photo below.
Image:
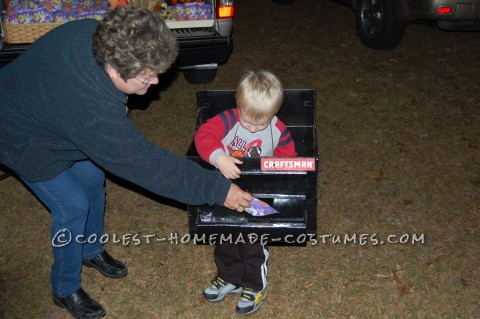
[200, 48]
[410, 10]
[204, 49]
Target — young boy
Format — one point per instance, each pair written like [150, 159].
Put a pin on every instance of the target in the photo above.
[250, 130]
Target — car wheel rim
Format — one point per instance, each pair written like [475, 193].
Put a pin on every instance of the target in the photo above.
[372, 16]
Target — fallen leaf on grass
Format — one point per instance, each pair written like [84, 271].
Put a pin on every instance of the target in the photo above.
[401, 147]
[308, 285]
[381, 175]
[141, 283]
[433, 259]
[349, 283]
[464, 282]
[403, 289]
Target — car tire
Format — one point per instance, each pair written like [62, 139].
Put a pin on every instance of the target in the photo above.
[378, 25]
[199, 76]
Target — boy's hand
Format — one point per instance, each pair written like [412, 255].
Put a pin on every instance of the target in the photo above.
[237, 199]
[227, 165]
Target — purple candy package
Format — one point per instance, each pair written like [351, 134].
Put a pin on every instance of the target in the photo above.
[260, 208]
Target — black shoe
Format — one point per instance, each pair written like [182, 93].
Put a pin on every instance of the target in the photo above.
[80, 305]
[107, 266]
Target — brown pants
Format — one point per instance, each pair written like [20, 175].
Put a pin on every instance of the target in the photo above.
[242, 263]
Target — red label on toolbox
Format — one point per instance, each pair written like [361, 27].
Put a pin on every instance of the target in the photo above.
[287, 164]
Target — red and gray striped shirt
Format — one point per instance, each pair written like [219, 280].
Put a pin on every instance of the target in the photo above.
[224, 135]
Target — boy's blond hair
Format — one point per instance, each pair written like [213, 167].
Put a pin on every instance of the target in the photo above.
[259, 95]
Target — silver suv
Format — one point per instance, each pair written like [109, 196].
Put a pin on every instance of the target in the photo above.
[382, 23]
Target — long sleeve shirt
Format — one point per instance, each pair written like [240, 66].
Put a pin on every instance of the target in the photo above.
[224, 135]
[58, 106]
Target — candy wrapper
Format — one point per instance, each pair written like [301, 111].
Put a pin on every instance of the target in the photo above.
[260, 208]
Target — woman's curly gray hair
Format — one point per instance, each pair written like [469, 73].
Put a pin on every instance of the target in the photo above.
[134, 40]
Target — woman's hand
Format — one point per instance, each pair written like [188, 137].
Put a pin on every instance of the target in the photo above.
[237, 199]
[227, 165]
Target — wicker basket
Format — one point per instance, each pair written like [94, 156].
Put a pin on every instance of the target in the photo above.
[26, 33]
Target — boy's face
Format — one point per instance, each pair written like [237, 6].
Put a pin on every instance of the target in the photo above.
[254, 126]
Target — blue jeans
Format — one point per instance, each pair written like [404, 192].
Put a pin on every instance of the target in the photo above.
[76, 201]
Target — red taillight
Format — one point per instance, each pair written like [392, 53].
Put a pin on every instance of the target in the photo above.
[444, 10]
[225, 12]
[225, 9]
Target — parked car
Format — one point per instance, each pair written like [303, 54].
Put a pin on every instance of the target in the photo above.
[381, 24]
[205, 39]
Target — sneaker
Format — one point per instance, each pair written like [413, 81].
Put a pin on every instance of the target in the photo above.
[250, 300]
[219, 288]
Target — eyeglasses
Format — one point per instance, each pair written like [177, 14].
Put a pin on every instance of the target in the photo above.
[145, 81]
